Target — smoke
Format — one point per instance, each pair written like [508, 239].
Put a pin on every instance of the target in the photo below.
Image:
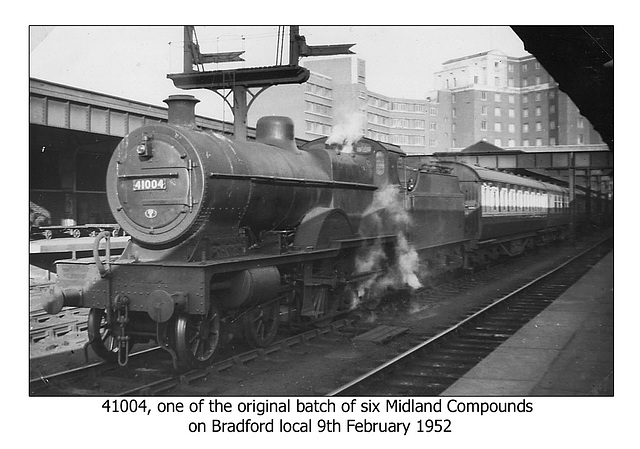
[387, 215]
[347, 132]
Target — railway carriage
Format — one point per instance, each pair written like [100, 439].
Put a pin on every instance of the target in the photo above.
[506, 213]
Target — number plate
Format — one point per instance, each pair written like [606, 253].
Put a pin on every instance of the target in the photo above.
[149, 184]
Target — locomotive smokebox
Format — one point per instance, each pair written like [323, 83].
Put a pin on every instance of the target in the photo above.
[182, 110]
[277, 131]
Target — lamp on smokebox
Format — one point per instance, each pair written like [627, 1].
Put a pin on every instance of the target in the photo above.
[144, 147]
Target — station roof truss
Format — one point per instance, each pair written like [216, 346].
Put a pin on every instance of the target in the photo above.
[59, 106]
[576, 157]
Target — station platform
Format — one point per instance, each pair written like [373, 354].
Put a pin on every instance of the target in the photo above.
[567, 350]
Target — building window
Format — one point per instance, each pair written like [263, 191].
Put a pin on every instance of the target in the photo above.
[454, 112]
[512, 99]
[483, 110]
[483, 125]
[538, 96]
[552, 124]
[525, 127]
[432, 126]
[497, 142]
[497, 81]
[580, 139]
[511, 143]
[525, 67]
[552, 109]
[453, 98]
[525, 98]
[525, 113]
[433, 111]
[552, 94]
[483, 95]
[525, 81]
[538, 126]
[433, 142]
[538, 142]
[512, 113]
[476, 79]
[497, 98]
[537, 65]
[453, 127]
[319, 90]
[525, 142]
[538, 111]
[318, 128]
[552, 141]
[510, 67]
[538, 80]
[580, 122]
[317, 108]
[497, 126]
[497, 112]
[512, 128]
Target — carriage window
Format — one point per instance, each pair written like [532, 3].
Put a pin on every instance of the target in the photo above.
[512, 199]
[519, 200]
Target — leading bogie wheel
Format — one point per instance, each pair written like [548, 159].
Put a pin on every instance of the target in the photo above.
[196, 338]
[261, 324]
[102, 338]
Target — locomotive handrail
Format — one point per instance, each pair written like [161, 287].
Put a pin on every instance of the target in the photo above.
[300, 181]
[104, 271]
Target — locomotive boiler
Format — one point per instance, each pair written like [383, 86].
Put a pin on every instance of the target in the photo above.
[253, 234]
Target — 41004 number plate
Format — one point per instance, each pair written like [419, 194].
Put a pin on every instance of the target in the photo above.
[149, 184]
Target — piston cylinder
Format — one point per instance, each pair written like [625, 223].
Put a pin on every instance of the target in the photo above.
[250, 287]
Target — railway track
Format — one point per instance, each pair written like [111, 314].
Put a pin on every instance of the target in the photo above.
[150, 372]
[430, 367]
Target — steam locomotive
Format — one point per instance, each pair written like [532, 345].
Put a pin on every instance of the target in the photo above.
[258, 233]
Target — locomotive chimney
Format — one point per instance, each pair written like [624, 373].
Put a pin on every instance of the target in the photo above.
[277, 131]
[182, 110]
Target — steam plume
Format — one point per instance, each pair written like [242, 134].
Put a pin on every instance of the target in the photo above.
[387, 215]
[348, 131]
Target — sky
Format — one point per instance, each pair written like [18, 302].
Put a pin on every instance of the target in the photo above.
[133, 61]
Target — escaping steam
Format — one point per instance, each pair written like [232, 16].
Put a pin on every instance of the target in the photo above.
[387, 215]
[347, 132]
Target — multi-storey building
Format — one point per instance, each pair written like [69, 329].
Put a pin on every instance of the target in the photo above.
[489, 96]
[335, 101]
[507, 101]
